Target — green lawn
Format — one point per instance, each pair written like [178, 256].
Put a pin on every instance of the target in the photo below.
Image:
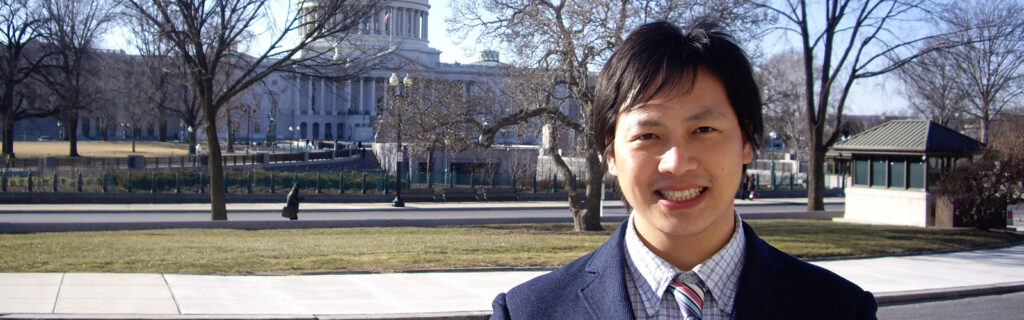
[202, 251]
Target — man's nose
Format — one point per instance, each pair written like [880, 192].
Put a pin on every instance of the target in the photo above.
[677, 160]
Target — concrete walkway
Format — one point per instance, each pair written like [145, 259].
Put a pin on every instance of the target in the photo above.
[427, 295]
[314, 207]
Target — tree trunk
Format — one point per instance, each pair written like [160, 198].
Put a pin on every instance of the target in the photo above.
[218, 208]
[595, 192]
[192, 139]
[104, 128]
[133, 139]
[430, 167]
[8, 120]
[71, 125]
[8, 136]
[162, 130]
[985, 121]
[816, 182]
[585, 213]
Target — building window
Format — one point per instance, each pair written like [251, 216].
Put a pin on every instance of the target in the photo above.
[860, 171]
[896, 173]
[916, 174]
[878, 172]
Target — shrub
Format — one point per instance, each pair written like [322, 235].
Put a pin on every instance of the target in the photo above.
[981, 189]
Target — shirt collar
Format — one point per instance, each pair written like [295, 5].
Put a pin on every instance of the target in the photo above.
[652, 274]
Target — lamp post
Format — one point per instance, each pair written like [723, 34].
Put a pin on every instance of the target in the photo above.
[60, 131]
[771, 146]
[397, 92]
[291, 132]
[271, 138]
[190, 138]
[248, 127]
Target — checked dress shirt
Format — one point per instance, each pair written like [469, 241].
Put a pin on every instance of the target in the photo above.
[648, 277]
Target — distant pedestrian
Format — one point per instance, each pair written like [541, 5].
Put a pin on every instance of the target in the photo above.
[752, 187]
[291, 208]
[744, 188]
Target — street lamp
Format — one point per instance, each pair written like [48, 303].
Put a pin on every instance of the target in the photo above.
[291, 132]
[771, 146]
[271, 137]
[397, 92]
[60, 131]
[248, 126]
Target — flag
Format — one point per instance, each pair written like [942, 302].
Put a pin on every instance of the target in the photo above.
[386, 17]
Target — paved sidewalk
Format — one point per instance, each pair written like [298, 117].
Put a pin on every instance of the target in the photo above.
[24, 218]
[428, 295]
[314, 206]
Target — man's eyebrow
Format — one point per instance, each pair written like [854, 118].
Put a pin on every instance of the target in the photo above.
[650, 122]
[705, 114]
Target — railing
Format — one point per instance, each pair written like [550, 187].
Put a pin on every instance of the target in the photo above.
[171, 162]
[258, 181]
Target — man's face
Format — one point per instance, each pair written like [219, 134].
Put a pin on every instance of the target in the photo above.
[679, 159]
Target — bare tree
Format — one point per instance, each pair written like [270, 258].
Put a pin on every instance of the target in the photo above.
[432, 114]
[21, 57]
[209, 37]
[990, 67]
[930, 89]
[136, 108]
[843, 42]
[569, 40]
[782, 92]
[70, 32]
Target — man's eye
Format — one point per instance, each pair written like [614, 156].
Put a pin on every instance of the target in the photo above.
[704, 130]
[646, 136]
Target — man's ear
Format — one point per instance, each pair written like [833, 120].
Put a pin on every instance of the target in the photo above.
[611, 164]
[748, 152]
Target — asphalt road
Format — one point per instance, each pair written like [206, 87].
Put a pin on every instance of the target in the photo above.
[1004, 306]
[611, 213]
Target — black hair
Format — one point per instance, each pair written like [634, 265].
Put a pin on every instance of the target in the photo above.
[659, 55]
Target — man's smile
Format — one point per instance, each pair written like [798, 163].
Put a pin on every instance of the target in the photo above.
[681, 195]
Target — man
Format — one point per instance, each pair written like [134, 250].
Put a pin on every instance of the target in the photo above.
[678, 115]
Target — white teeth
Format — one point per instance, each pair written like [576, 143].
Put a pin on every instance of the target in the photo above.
[680, 196]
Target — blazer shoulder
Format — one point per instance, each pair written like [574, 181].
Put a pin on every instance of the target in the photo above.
[588, 286]
[552, 286]
[819, 292]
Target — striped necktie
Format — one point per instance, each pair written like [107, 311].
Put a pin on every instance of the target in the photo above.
[690, 297]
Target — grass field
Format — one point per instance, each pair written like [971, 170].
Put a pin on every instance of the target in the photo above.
[194, 251]
[99, 148]
[109, 148]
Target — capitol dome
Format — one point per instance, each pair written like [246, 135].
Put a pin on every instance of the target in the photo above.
[400, 25]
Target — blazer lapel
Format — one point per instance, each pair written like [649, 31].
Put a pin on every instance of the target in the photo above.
[604, 290]
[763, 294]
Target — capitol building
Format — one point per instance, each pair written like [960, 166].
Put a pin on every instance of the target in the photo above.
[307, 107]
[289, 108]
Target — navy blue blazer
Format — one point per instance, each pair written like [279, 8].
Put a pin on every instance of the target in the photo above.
[773, 285]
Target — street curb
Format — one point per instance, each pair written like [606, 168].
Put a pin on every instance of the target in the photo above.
[34, 227]
[157, 211]
[947, 293]
[468, 315]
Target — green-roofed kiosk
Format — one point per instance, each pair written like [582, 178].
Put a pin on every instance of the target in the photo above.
[893, 167]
